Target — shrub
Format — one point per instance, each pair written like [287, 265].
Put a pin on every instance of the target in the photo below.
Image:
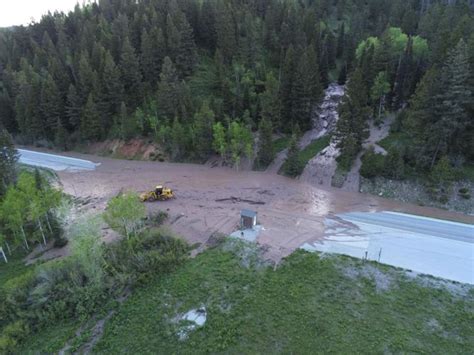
[157, 219]
[15, 298]
[60, 242]
[18, 330]
[146, 254]
[12, 334]
[63, 289]
[443, 198]
[7, 344]
[463, 190]
[394, 166]
[443, 173]
[373, 164]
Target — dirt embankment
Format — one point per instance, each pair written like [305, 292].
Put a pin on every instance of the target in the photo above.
[136, 149]
[209, 200]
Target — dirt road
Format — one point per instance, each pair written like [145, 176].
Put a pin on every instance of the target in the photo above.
[209, 200]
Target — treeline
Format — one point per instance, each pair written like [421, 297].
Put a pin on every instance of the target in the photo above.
[427, 80]
[128, 68]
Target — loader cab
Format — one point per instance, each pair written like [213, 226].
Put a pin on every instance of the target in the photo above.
[158, 190]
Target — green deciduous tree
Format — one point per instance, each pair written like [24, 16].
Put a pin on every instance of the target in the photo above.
[125, 213]
[241, 143]
[379, 90]
[219, 141]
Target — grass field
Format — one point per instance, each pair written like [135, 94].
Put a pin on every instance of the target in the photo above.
[308, 304]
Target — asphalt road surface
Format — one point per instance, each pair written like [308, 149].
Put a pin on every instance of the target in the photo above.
[416, 224]
[54, 162]
[426, 245]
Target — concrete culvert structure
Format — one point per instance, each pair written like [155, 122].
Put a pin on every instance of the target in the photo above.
[248, 219]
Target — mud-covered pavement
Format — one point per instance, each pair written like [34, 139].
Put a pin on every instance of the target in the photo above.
[209, 200]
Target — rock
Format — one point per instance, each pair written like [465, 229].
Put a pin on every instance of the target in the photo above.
[192, 319]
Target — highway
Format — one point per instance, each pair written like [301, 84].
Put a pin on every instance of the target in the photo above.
[426, 245]
[416, 224]
[54, 162]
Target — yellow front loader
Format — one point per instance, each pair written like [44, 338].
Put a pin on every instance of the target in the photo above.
[160, 193]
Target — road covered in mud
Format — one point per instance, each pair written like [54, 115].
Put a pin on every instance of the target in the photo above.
[209, 200]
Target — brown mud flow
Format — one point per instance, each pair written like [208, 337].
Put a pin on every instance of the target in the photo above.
[209, 200]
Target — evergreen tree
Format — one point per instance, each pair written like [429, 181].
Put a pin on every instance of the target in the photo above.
[221, 83]
[394, 165]
[266, 152]
[312, 77]
[401, 78]
[50, 105]
[178, 140]
[90, 120]
[287, 85]
[421, 116]
[8, 159]
[153, 48]
[341, 80]
[112, 92]
[60, 137]
[147, 62]
[207, 25]
[300, 95]
[292, 165]
[169, 90]
[87, 78]
[203, 130]
[270, 101]
[186, 56]
[130, 74]
[454, 101]
[128, 126]
[331, 50]
[226, 31]
[352, 126]
[341, 39]
[324, 68]
[73, 108]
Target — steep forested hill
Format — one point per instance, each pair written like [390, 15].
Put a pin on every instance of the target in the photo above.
[201, 76]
